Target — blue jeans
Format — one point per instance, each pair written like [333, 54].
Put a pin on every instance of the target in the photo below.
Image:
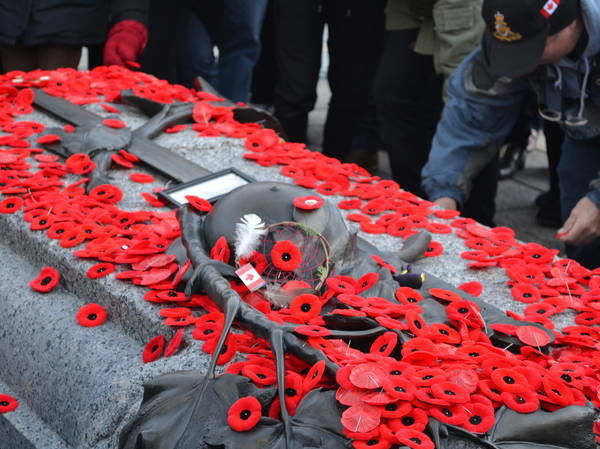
[237, 37]
[579, 164]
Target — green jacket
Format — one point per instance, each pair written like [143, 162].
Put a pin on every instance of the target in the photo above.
[449, 29]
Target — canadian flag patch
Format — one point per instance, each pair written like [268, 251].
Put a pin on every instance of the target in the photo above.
[549, 8]
[250, 277]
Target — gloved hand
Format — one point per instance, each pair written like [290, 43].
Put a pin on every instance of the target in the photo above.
[126, 40]
[421, 9]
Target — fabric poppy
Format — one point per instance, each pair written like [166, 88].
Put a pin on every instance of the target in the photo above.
[446, 213]
[11, 204]
[557, 392]
[450, 392]
[480, 420]
[366, 282]
[444, 294]
[47, 139]
[508, 379]
[174, 344]
[286, 256]
[199, 203]
[442, 333]
[474, 288]
[114, 123]
[142, 178]
[416, 419]
[428, 376]
[314, 376]
[350, 204]
[383, 263]
[91, 315]
[80, 164]
[526, 293]
[312, 331]
[414, 439]
[106, 193]
[395, 409]
[361, 418]
[46, 280]
[100, 270]
[454, 414]
[260, 374]
[525, 401]
[311, 202]
[434, 249]
[384, 344]
[7, 403]
[305, 307]
[220, 251]
[400, 388]
[244, 414]
[407, 295]
[367, 375]
[533, 336]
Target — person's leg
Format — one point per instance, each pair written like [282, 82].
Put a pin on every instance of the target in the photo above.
[264, 76]
[356, 31]
[54, 56]
[579, 164]
[549, 202]
[195, 55]
[239, 46]
[299, 31]
[481, 203]
[408, 95]
[18, 57]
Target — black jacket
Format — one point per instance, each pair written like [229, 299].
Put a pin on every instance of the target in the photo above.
[74, 22]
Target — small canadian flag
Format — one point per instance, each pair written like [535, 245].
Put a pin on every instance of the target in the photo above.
[549, 8]
[250, 277]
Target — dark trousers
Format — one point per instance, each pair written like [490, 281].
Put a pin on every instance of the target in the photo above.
[579, 164]
[408, 97]
[355, 33]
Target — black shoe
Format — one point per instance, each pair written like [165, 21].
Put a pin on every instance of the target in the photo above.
[511, 160]
[542, 198]
[549, 215]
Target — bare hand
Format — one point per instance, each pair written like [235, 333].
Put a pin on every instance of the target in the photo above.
[446, 202]
[583, 224]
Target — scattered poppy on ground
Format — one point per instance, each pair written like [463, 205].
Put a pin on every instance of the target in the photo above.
[153, 349]
[220, 251]
[48, 138]
[434, 249]
[174, 344]
[198, 203]
[305, 307]
[46, 280]
[107, 193]
[8, 403]
[100, 270]
[91, 315]
[142, 178]
[114, 123]
[310, 202]
[11, 205]
[244, 414]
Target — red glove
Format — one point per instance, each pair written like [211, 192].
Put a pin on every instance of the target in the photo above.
[126, 40]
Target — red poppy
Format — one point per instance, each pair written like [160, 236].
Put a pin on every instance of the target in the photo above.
[142, 178]
[79, 164]
[450, 392]
[312, 331]
[454, 414]
[446, 295]
[286, 256]
[434, 249]
[11, 204]
[416, 419]
[414, 439]
[557, 392]
[508, 379]
[384, 344]
[341, 285]
[7, 403]
[314, 375]
[474, 288]
[428, 376]
[350, 204]
[46, 280]
[533, 336]
[446, 213]
[311, 202]
[260, 374]
[439, 228]
[174, 344]
[100, 270]
[305, 307]
[526, 293]
[48, 138]
[366, 282]
[91, 315]
[361, 418]
[400, 388]
[114, 123]
[220, 251]
[442, 333]
[106, 193]
[481, 418]
[383, 263]
[394, 409]
[407, 295]
[367, 375]
[525, 401]
[244, 414]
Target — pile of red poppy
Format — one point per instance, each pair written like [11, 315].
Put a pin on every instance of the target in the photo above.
[450, 372]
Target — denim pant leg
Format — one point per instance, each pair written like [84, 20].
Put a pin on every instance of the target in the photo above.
[579, 164]
[195, 55]
[239, 46]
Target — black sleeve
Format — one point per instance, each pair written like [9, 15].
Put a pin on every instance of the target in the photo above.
[129, 10]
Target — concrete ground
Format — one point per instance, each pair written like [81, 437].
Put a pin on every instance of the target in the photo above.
[515, 199]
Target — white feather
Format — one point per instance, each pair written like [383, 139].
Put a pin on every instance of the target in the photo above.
[247, 235]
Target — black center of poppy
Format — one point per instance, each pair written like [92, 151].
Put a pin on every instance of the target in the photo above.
[364, 284]
[372, 210]
[475, 420]
[444, 332]
[154, 348]
[408, 420]
[305, 307]
[372, 442]
[4, 404]
[417, 324]
[585, 334]
[92, 316]
[224, 350]
[494, 390]
[536, 256]
[530, 276]
[291, 392]
[383, 348]
[526, 295]
[208, 332]
[463, 310]
[520, 399]
[446, 412]
[59, 231]
[508, 380]
[261, 376]
[411, 299]
[43, 222]
[395, 372]
[554, 390]
[46, 280]
[245, 414]
[286, 257]
[10, 205]
[391, 407]
[541, 311]
[401, 228]
[449, 392]
[478, 244]
[567, 378]
[416, 440]
[590, 318]
[474, 354]
[429, 376]
[101, 269]
[400, 389]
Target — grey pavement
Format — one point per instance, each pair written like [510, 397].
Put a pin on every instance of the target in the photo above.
[515, 199]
